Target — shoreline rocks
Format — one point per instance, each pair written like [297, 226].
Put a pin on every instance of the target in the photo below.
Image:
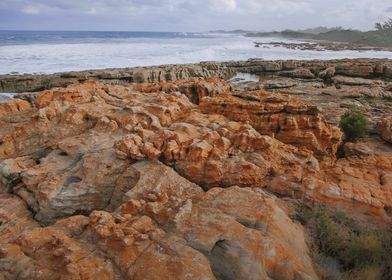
[385, 129]
[306, 69]
[154, 74]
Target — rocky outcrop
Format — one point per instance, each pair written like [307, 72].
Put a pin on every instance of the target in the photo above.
[51, 155]
[360, 178]
[194, 89]
[15, 218]
[347, 67]
[8, 107]
[300, 73]
[287, 119]
[205, 236]
[336, 85]
[69, 137]
[181, 180]
[31, 83]
[215, 152]
[385, 129]
[297, 69]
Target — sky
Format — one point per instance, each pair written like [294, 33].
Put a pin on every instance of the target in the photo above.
[190, 15]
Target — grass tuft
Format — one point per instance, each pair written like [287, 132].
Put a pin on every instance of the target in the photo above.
[361, 253]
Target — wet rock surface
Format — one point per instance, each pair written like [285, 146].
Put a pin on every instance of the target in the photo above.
[188, 179]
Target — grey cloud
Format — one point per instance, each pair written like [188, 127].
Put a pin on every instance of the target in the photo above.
[190, 15]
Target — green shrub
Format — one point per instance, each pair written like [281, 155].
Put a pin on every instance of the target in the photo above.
[365, 248]
[361, 252]
[367, 273]
[353, 124]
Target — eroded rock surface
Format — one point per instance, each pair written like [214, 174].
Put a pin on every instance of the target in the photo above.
[166, 228]
[31, 83]
[173, 180]
[385, 129]
[287, 119]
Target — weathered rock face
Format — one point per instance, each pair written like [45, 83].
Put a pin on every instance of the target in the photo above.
[205, 237]
[367, 68]
[301, 73]
[172, 181]
[307, 69]
[287, 119]
[359, 184]
[385, 129]
[361, 178]
[22, 83]
[364, 83]
[13, 106]
[72, 111]
[336, 85]
[14, 217]
[194, 89]
[69, 137]
[214, 152]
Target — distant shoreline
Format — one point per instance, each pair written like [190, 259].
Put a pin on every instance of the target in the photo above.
[377, 38]
[322, 45]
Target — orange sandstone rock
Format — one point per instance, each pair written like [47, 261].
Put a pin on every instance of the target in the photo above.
[215, 152]
[287, 119]
[194, 89]
[205, 237]
[140, 182]
[385, 129]
[13, 106]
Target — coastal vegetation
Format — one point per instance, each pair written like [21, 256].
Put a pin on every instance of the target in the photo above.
[353, 124]
[345, 249]
[381, 37]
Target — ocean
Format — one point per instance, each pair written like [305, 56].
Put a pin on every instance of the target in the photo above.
[58, 51]
[4, 95]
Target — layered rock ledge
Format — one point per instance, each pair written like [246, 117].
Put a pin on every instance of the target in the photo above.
[306, 69]
[33, 82]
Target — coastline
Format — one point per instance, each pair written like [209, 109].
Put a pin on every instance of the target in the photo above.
[307, 69]
[322, 45]
[65, 54]
[373, 38]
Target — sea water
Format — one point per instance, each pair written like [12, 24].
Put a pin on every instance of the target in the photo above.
[4, 95]
[55, 51]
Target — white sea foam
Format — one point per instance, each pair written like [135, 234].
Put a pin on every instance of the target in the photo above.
[112, 53]
[5, 95]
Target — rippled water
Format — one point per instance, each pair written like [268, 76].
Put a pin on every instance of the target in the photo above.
[49, 52]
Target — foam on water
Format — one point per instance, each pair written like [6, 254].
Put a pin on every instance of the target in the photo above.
[85, 53]
[4, 96]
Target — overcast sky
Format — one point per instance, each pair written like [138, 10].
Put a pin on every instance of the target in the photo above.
[190, 15]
